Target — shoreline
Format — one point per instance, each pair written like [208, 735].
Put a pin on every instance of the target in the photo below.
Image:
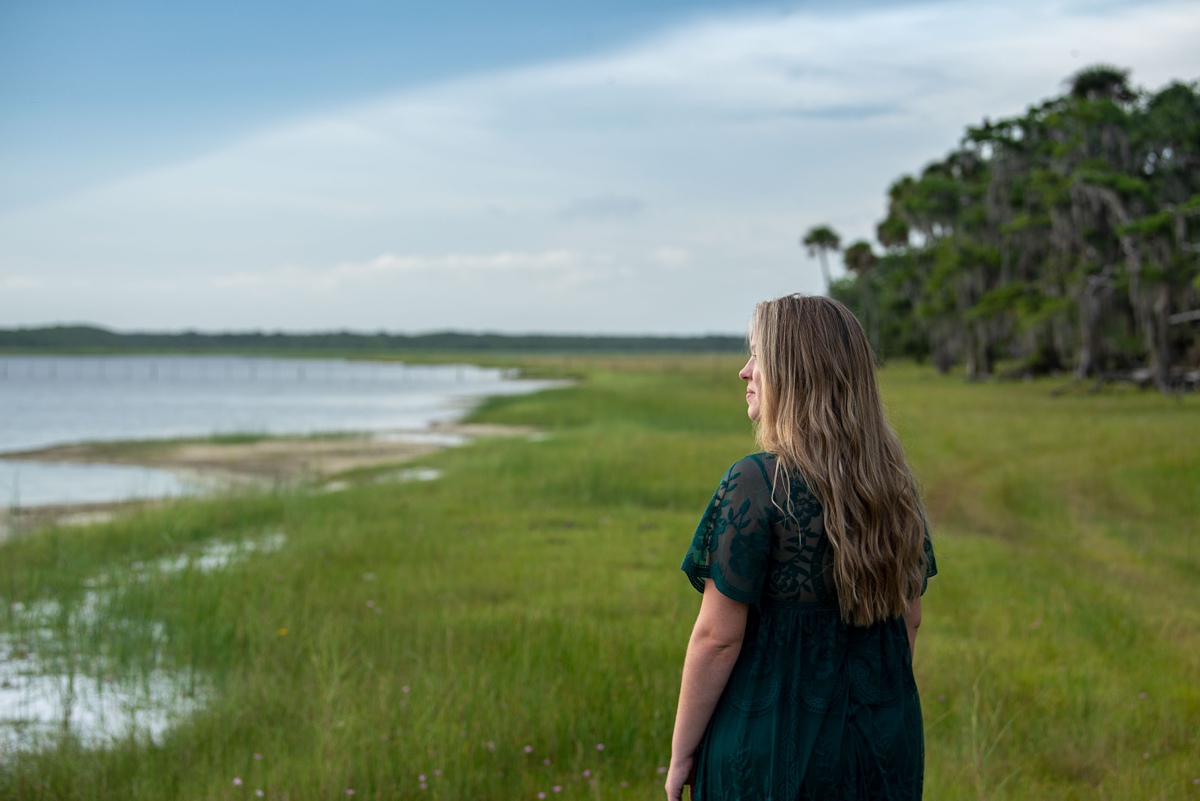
[217, 464]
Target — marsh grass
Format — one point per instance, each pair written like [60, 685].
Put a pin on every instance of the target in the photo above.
[530, 597]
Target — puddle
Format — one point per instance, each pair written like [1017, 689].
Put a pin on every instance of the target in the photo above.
[41, 698]
[213, 556]
[440, 439]
[37, 708]
[216, 555]
[410, 474]
[32, 483]
[86, 518]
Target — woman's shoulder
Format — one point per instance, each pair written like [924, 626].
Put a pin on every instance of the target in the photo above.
[760, 472]
[753, 472]
[761, 463]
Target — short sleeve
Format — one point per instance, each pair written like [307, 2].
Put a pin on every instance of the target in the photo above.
[930, 561]
[733, 541]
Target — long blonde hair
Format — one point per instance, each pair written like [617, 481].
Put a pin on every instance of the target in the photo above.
[821, 416]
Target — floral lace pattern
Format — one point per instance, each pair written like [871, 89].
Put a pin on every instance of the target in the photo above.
[814, 708]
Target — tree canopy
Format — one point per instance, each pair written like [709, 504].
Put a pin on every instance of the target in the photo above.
[1065, 238]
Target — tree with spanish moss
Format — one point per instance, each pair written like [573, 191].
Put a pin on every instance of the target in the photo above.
[1064, 237]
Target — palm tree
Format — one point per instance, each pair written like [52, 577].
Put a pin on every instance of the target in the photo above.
[819, 241]
[859, 259]
[1101, 81]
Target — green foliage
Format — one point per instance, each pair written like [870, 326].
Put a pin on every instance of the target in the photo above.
[1101, 82]
[892, 232]
[859, 257]
[821, 238]
[1127, 185]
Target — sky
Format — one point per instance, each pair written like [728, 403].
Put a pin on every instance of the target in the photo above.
[554, 166]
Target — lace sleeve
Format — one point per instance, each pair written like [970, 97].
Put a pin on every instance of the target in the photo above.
[733, 541]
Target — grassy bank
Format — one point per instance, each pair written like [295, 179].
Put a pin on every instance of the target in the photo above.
[490, 630]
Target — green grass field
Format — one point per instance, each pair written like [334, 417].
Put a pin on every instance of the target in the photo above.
[489, 631]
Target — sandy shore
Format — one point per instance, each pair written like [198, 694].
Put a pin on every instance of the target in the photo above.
[258, 462]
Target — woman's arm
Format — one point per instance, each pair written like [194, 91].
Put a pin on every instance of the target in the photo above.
[912, 621]
[713, 649]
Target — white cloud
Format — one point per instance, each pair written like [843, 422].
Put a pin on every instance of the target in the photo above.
[542, 197]
[555, 264]
[670, 257]
[603, 207]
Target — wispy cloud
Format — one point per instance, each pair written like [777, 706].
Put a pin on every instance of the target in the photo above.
[670, 257]
[603, 207]
[553, 264]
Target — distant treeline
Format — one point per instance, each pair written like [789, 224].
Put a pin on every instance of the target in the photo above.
[90, 339]
[1063, 239]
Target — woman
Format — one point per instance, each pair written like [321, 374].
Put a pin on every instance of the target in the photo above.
[812, 557]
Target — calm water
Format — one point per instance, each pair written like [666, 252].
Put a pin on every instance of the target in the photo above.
[32, 483]
[62, 399]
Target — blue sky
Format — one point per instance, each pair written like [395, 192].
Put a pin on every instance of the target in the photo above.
[553, 166]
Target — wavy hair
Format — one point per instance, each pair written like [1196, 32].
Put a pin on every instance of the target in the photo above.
[820, 414]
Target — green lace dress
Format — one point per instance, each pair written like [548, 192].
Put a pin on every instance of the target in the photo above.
[814, 708]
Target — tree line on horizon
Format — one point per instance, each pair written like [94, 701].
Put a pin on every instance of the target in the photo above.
[93, 339]
[1063, 239]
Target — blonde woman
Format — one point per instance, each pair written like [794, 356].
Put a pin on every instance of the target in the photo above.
[812, 557]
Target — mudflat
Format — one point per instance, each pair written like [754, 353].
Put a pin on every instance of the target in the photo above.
[272, 458]
[242, 461]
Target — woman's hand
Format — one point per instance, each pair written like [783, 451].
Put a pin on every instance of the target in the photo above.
[682, 772]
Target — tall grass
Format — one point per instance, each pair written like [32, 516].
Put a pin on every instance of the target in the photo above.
[530, 599]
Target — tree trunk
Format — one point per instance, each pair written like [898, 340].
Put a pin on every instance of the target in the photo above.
[971, 350]
[1091, 298]
[1160, 356]
[942, 342]
[871, 313]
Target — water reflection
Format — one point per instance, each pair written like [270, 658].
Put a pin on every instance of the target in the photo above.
[31, 483]
[50, 686]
